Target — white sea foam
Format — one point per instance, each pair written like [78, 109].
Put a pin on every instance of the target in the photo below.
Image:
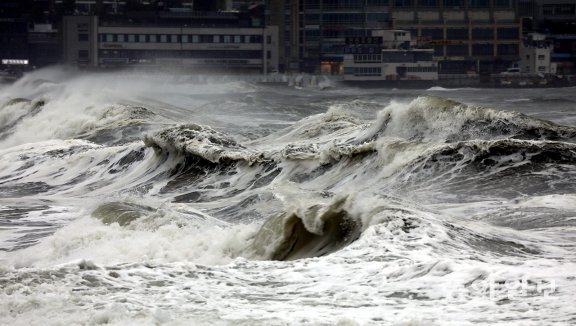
[457, 222]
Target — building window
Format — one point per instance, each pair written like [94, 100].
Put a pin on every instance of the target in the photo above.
[457, 50]
[432, 33]
[195, 39]
[255, 38]
[541, 57]
[83, 54]
[131, 38]
[365, 58]
[439, 50]
[153, 38]
[312, 19]
[216, 39]
[343, 18]
[483, 49]
[402, 3]
[224, 54]
[174, 38]
[226, 38]
[185, 39]
[246, 38]
[82, 37]
[482, 33]
[377, 17]
[422, 69]
[163, 38]
[368, 71]
[377, 2]
[142, 38]
[237, 39]
[207, 38]
[508, 33]
[478, 3]
[457, 33]
[502, 3]
[453, 3]
[400, 56]
[428, 3]
[507, 49]
[559, 9]
[110, 37]
[120, 38]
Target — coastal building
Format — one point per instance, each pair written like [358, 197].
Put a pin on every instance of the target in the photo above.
[556, 19]
[468, 36]
[43, 44]
[480, 36]
[14, 52]
[79, 41]
[28, 38]
[546, 14]
[535, 58]
[178, 38]
[314, 32]
[389, 57]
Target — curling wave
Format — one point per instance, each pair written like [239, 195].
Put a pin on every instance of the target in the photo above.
[436, 119]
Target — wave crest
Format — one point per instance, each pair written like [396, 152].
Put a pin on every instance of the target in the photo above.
[313, 231]
[200, 141]
[436, 119]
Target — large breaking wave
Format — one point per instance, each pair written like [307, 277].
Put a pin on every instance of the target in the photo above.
[105, 184]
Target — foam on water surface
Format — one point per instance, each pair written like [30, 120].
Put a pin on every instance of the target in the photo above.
[174, 200]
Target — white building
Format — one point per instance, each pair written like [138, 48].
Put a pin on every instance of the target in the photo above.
[394, 59]
[535, 55]
[229, 49]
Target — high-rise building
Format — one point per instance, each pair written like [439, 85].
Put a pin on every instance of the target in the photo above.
[314, 32]
[556, 19]
[467, 35]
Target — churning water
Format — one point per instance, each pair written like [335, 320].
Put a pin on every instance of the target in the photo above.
[133, 199]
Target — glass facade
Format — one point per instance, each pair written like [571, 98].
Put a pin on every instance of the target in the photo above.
[457, 33]
[507, 49]
[457, 50]
[507, 33]
[402, 3]
[483, 49]
[478, 3]
[453, 3]
[502, 3]
[482, 33]
[452, 28]
[432, 33]
[428, 3]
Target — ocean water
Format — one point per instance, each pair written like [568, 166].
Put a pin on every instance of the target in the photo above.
[133, 199]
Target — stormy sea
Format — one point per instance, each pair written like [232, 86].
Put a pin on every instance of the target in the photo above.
[154, 199]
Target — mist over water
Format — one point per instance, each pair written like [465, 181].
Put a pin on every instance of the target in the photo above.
[128, 198]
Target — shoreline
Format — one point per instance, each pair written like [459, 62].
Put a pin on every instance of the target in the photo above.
[330, 81]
